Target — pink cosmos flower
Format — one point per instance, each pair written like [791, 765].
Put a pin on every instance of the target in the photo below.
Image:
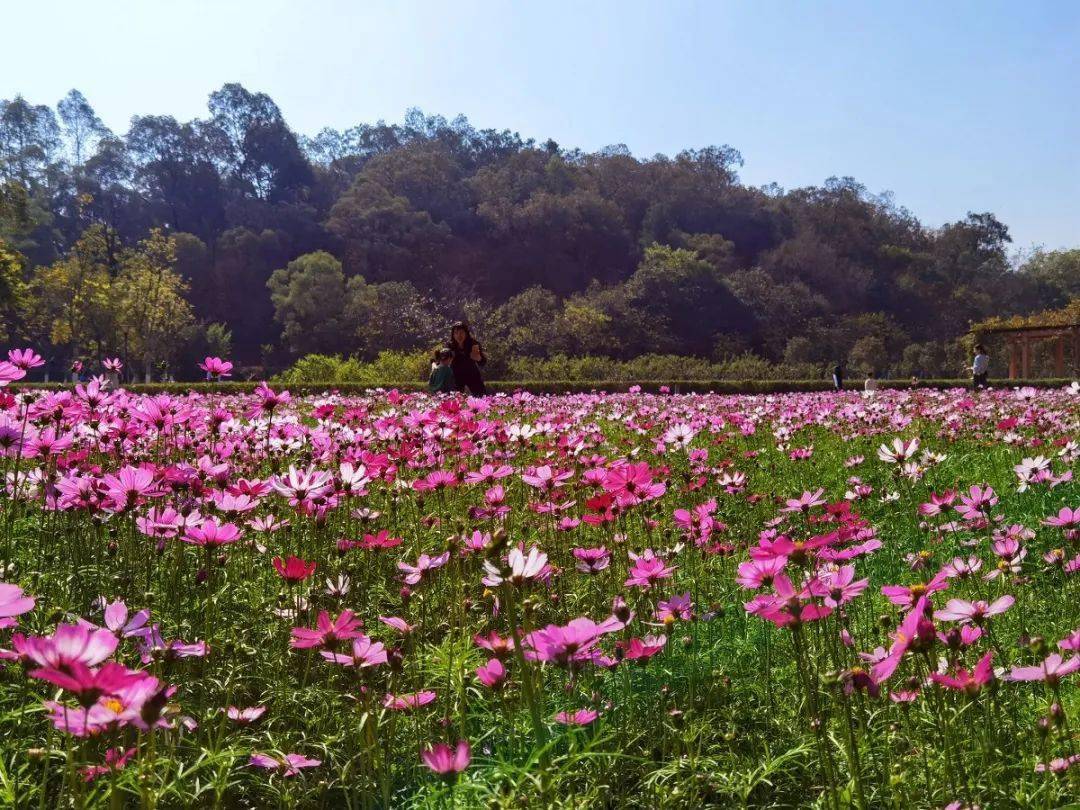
[842, 586]
[25, 359]
[13, 602]
[397, 623]
[434, 481]
[916, 630]
[424, 564]
[805, 502]
[521, 567]
[287, 765]
[495, 644]
[1052, 670]
[632, 483]
[754, 574]
[303, 486]
[447, 761]
[675, 608]
[492, 674]
[294, 570]
[641, 649]
[581, 717]
[408, 702]
[546, 479]
[787, 606]
[69, 645]
[488, 473]
[977, 502]
[569, 644]
[959, 610]
[1065, 519]
[245, 717]
[908, 596]
[899, 452]
[592, 560]
[1058, 764]
[365, 654]
[328, 632]
[116, 619]
[9, 373]
[964, 681]
[216, 368]
[212, 534]
[115, 760]
[937, 504]
[128, 487]
[648, 570]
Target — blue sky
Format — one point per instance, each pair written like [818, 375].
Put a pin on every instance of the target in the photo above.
[953, 106]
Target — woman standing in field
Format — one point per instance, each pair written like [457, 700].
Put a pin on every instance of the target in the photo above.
[468, 360]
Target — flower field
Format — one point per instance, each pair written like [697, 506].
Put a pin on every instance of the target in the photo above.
[628, 600]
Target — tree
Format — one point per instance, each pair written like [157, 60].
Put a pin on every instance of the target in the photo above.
[689, 299]
[148, 295]
[29, 137]
[82, 128]
[384, 237]
[72, 305]
[1056, 270]
[14, 297]
[310, 302]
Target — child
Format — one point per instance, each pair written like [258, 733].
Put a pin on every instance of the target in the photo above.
[442, 376]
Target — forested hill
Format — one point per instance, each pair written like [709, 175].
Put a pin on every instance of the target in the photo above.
[376, 237]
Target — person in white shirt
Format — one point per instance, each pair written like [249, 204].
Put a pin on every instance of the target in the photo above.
[871, 383]
[980, 367]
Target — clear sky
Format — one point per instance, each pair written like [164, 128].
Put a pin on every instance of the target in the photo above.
[953, 106]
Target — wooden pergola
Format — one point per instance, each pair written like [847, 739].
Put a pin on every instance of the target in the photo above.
[1024, 332]
[1021, 340]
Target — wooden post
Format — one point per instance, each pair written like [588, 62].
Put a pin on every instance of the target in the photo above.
[1076, 351]
[1013, 359]
[1059, 357]
[1025, 358]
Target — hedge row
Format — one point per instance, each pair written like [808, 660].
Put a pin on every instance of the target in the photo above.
[565, 386]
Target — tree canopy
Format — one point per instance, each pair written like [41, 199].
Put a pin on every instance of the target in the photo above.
[377, 236]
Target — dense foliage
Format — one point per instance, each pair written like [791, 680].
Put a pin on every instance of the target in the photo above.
[256, 599]
[375, 238]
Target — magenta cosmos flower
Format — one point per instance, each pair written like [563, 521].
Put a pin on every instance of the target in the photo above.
[327, 632]
[964, 681]
[648, 569]
[9, 373]
[447, 761]
[581, 717]
[13, 602]
[216, 368]
[294, 569]
[25, 359]
[492, 674]
[70, 644]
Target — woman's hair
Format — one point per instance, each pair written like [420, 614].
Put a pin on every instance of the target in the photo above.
[460, 325]
[980, 348]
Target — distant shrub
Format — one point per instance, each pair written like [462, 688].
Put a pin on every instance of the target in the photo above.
[387, 365]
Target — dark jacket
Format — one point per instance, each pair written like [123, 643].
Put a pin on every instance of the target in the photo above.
[467, 370]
